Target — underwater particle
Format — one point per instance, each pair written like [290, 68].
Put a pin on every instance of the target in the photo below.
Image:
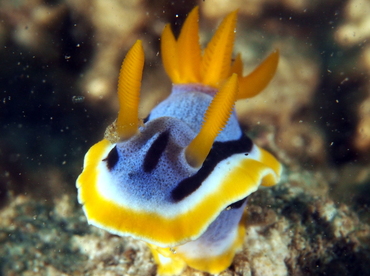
[78, 99]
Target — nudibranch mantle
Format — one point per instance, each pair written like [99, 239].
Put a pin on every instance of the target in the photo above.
[179, 180]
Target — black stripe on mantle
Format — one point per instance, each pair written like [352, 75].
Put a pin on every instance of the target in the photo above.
[219, 152]
[155, 152]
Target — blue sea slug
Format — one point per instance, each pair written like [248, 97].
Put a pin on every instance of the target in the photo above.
[179, 180]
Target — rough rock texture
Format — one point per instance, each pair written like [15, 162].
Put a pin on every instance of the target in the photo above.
[58, 71]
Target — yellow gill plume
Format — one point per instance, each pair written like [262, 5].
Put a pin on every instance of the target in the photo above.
[188, 49]
[237, 66]
[169, 54]
[129, 83]
[182, 58]
[215, 119]
[185, 64]
[217, 55]
[256, 81]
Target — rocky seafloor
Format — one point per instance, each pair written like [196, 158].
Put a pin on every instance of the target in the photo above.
[58, 71]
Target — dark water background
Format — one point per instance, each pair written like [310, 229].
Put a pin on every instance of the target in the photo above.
[58, 72]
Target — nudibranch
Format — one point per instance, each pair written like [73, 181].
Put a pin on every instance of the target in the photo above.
[180, 178]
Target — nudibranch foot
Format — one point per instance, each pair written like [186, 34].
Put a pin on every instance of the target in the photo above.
[179, 180]
[213, 251]
[168, 262]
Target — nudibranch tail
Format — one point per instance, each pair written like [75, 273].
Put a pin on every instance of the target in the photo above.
[129, 84]
[215, 119]
[255, 82]
[217, 55]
